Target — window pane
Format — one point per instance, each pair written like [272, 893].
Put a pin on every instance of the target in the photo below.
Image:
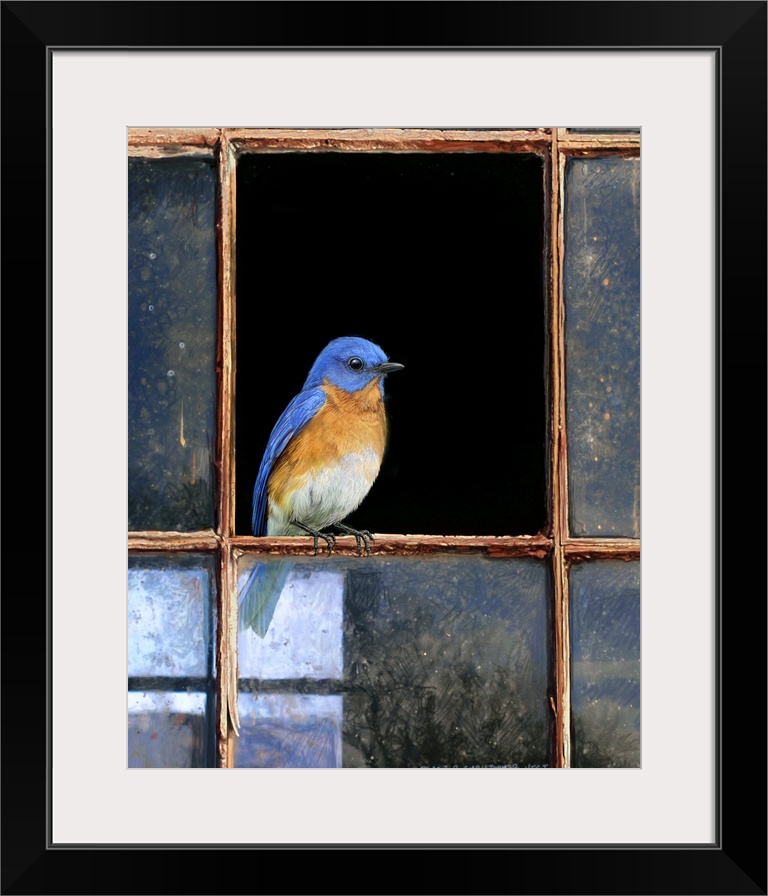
[305, 637]
[171, 673]
[605, 636]
[166, 730]
[452, 278]
[169, 615]
[602, 299]
[171, 343]
[289, 731]
[436, 661]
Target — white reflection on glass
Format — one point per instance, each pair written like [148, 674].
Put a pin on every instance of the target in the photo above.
[166, 702]
[304, 639]
[166, 610]
[289, 731]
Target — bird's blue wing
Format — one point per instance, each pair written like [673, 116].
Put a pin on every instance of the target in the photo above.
[301, 409]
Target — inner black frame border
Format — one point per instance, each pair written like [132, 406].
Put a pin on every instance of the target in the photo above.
[736, 864]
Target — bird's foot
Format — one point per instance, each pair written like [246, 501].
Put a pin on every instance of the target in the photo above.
[328, 537]
[362, 536]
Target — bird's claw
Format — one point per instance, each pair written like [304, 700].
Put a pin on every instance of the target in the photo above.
[360, 535]
[328, 537]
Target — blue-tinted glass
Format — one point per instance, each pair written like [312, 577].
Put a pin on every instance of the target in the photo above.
[171, 670]
[605, 638]
[289, 731]
[304, 639]
[166, 730]
[169, 615]
[437, 661]
[171, 343]
[601, 279]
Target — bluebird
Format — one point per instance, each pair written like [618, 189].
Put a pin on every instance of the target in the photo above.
[320, 462]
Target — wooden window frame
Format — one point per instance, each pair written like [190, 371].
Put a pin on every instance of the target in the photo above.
[226, 145]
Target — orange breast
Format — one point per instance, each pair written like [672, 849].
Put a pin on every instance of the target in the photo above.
[349, 423]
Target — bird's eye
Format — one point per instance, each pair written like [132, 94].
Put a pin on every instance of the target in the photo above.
[355, 364]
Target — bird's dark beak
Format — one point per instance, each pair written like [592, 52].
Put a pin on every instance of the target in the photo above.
[387, 367]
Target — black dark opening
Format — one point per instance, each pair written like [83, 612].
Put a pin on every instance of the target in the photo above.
[438, 258]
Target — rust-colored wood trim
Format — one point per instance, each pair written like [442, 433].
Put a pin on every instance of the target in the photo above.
[170, 152]
[600, 153]
[560, 441]
[222, 652]
[577, 549]
[392, 545]
[229, 664]
[164, 142]
[570, 143]
[161, 142]
[226, 349]
[228, 720]
[383, 139]
[560, 700]
[404, 545]
[206, 540]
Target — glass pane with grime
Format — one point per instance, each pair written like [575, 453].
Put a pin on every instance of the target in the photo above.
[171, 660]
[167, 730]
[171, 343]
[601, 280]
[605, 638]
[413, 662]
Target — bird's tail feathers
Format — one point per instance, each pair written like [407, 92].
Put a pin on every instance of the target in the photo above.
[260, 593]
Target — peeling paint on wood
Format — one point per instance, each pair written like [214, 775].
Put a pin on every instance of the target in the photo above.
[206, 540]
[169, 152]
[597, 142]
[406, 545]
[577, 549]
[372, 139]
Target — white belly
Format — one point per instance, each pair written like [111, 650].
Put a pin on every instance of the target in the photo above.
[326, 496]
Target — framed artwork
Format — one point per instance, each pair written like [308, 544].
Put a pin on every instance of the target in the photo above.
[502, 247]
[372, 657]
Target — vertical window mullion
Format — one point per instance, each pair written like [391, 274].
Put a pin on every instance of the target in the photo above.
[560, 701]
[226, 646]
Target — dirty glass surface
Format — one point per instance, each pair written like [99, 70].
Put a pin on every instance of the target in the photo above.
[374, 662]
[605, 638]
[601, 280]
[167, 730]
[171, 343]
[289, 731]
[171, 674]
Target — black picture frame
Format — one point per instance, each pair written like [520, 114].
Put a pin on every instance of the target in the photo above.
[736, 863]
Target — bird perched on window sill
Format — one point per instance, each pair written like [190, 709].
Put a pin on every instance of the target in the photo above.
[321, 459]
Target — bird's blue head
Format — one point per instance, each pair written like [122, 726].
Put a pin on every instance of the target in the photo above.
[350, 363]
